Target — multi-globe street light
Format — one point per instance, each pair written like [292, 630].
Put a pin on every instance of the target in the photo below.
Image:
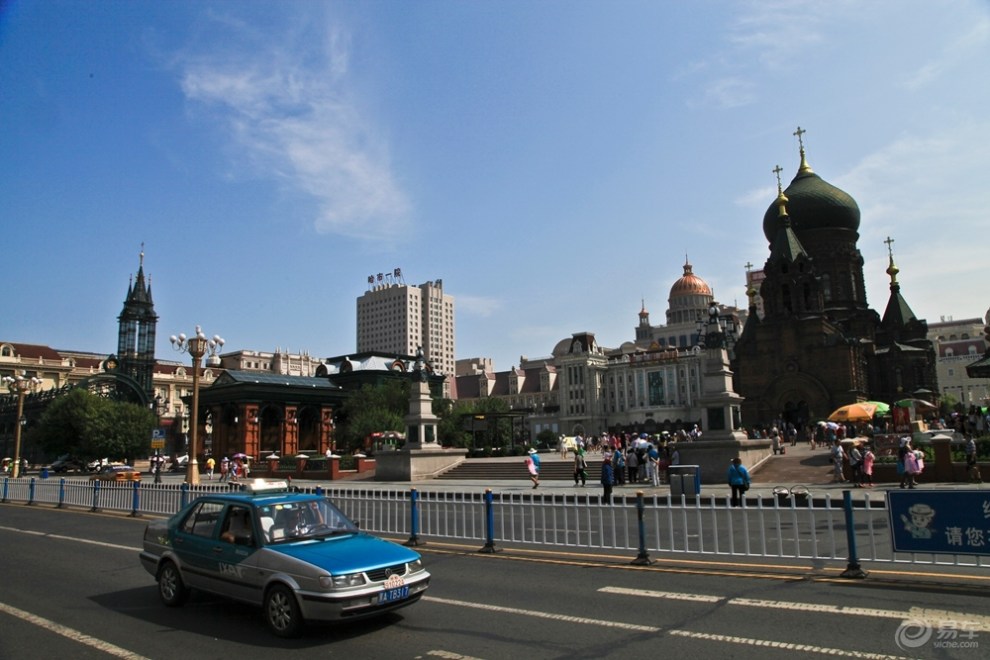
[20, 385]
[196, 346]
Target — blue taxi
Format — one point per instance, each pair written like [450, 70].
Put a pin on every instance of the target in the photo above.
[296, 555]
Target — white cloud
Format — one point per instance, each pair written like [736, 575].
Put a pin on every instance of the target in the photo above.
[478, 305]
[292, 116]
[730, 92]
[971, 44]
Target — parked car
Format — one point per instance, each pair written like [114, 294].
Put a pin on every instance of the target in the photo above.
[66, 463]
[97, 464]
[179, 463]
[295, 555]
[117, 473]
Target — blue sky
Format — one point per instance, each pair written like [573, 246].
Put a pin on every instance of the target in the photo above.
[552, 162]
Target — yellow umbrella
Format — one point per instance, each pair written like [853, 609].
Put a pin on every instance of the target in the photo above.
[854, 412]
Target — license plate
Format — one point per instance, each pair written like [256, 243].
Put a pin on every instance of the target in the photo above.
[392, 595]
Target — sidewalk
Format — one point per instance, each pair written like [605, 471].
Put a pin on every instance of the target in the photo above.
[799, 467]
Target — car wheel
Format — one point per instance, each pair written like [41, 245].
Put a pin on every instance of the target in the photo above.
[171, 588]
[282, 612]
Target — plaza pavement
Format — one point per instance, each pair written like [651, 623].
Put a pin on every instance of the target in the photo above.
[801, 467]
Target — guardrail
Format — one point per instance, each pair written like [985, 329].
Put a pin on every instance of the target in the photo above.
[810, 528]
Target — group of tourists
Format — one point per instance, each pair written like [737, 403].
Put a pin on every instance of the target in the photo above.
[641, 459]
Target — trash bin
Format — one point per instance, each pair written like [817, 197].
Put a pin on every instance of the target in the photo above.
[44, 473]
[685, 480]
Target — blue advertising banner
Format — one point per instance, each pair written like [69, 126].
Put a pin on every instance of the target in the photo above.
[940, 521]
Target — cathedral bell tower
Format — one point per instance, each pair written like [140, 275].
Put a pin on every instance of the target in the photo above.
[136, 332]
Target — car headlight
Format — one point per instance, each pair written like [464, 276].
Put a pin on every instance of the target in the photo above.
[414, 566]
[343, 581]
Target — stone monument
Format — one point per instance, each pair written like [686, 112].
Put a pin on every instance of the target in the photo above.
[422, 457]
[721, 436]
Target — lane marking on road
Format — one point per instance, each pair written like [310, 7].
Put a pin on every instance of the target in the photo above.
[60, 537]
[787, 646]
[70, 633]
[542, 615]
[667, 595]
[934, 618]
[450, 655]
[730, 639]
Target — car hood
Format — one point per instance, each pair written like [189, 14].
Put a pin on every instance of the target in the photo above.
[347, 554]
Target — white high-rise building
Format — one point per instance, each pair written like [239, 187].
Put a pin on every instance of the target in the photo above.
[395, 318]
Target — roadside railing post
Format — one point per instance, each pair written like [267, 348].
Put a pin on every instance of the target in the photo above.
[489, 546]
[96, 496]
[30, 492]
[853, 569]
[643, 558]
[136, 500]
[184, 495]
[6, 483]
[61, 493]
[414, 519]
[319, 491]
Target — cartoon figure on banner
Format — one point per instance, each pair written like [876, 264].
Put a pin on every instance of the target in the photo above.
[921, 518]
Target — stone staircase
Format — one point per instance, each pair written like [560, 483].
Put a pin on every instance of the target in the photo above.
[515, 468]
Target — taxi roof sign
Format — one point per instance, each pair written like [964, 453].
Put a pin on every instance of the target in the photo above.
[265, 486]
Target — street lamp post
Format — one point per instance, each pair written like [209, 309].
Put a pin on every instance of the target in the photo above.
[20, 385]
[196, 347]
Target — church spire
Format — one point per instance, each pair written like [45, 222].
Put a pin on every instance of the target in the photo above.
[804, 168]
[892, 270]
[898, 312]
[786, 245]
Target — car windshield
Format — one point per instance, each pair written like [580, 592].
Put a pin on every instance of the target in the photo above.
[295, 520]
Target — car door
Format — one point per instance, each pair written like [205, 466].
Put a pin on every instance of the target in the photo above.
[195, 542]
[236, 574]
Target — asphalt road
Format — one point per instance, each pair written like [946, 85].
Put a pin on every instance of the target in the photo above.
[73, 587]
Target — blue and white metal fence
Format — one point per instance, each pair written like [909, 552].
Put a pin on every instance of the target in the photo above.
[812, 528]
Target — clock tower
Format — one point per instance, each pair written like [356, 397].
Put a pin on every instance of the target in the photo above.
[136, 332]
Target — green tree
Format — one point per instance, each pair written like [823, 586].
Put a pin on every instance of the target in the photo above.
[89, 426]
[450, 423]
[947, 405]
[546, 439]
[372, 409]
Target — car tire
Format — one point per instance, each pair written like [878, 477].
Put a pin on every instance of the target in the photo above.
[171, 588]
[282, 612]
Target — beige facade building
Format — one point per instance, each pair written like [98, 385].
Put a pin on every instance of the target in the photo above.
[280, 362]
[959, 344]
[393, 317]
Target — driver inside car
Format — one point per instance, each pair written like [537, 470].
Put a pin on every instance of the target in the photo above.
[296, 523]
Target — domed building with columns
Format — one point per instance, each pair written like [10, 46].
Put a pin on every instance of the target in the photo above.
[687, 306]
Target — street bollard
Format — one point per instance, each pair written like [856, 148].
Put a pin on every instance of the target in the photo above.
[643, 558]
[96, 496]
[184, 497]
[489, 547]
[319, 491]
[136, 501]
[31, 492]
[61, 493]
[853, 569]
[6, 483]
[414, 518]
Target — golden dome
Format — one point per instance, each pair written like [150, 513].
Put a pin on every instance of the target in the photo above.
[689, 284]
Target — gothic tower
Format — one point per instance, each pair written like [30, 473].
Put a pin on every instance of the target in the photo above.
[136, 332]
